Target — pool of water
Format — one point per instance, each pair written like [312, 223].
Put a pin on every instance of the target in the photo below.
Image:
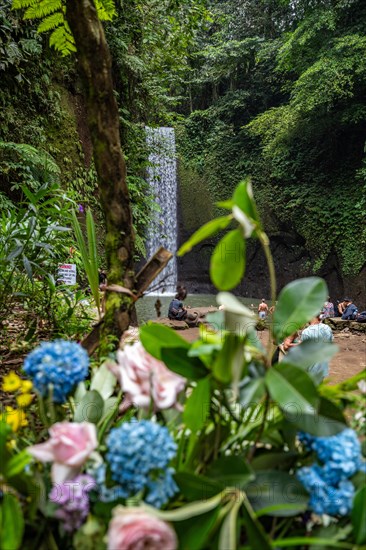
[146, 306]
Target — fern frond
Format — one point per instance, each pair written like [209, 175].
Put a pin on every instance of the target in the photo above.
[62, 40]
[21, 4]
[106, 9]
[51, 22]
[42, 9]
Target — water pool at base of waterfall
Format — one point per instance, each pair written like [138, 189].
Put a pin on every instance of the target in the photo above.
[146, 306]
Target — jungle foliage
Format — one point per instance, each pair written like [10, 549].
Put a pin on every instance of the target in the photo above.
[276, 89]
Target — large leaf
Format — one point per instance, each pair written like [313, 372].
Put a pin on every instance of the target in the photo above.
[229, 530]
[103, 381]
[298, 302]
[195, 487]
[187, 511]
[11, 523]
[238, 318]
[292, 389]
[231, 471]
[255, 532]
[277, 493]
[90, 408]
[17, 464]
[193, 533]
[310, 352]
[230, 360]
[177, 360]
[210, 228]
[227, 264]
[155, 337]
[243, 198]
[328, 420]
[197, 406]
[358, 516]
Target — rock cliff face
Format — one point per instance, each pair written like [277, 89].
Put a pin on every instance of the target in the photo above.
[292, 260]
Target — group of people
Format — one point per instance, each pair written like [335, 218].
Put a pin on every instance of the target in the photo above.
[346, 310]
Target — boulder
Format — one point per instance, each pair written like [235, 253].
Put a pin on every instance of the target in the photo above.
[338, 324]
[176, 325]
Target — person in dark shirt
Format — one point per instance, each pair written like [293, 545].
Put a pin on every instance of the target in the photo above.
[177, 311]
[351, 310]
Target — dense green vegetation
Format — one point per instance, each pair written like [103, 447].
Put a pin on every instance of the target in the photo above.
[276, 90]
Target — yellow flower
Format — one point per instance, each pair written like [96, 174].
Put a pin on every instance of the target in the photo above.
[24, 400]
[15, 418]
[11, 382]
[26, 386]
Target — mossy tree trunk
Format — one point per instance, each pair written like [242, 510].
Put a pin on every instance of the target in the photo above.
[103, 120]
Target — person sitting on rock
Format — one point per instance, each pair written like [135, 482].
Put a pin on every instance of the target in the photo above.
[177, 311]
[350, 313]
[342, 306]
[328, 309]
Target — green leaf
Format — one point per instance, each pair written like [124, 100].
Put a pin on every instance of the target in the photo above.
[358, 516]
[229, 529]
[298, 302]
[195, 487]
[328, 420]
[269, 460]
[90, 408]
[210, 228]
[103, 381]
[299, 542]
[193, 533]
[277, 488]
[17, 464]
[12, 523]
[309, 353]
[238, 318]
[252, 392]
[155, 337]
[255, 532]
[227, 264]
[177, 360]
[197, 406]
[231, 471]
[292, 389]
[188, 510]
[230, 360]
[243, 198]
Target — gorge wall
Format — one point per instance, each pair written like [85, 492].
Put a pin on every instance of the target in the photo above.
[196, 206]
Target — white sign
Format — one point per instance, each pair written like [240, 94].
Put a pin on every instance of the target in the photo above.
[67, 274]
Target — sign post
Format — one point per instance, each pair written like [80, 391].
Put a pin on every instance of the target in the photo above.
[67, 274]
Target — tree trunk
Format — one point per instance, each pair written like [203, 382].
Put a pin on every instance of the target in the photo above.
[103, 120]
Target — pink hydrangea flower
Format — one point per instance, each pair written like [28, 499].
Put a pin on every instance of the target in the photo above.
[135, 529]
[144, 378]
[68, 448]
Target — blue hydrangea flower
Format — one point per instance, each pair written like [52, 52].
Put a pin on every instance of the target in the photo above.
[330, 491]
[60, 363]
[324, 497]
[106, 494]
[138, 454]
[161, 489]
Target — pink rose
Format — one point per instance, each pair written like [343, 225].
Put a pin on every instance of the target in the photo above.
[69, 447]
[142, 378]
[135, 529]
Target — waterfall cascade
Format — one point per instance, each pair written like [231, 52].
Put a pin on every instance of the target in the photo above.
[162, 176]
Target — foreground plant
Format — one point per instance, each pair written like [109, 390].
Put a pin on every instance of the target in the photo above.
[205, 445]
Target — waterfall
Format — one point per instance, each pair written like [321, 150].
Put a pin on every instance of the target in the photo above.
[162, 176]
